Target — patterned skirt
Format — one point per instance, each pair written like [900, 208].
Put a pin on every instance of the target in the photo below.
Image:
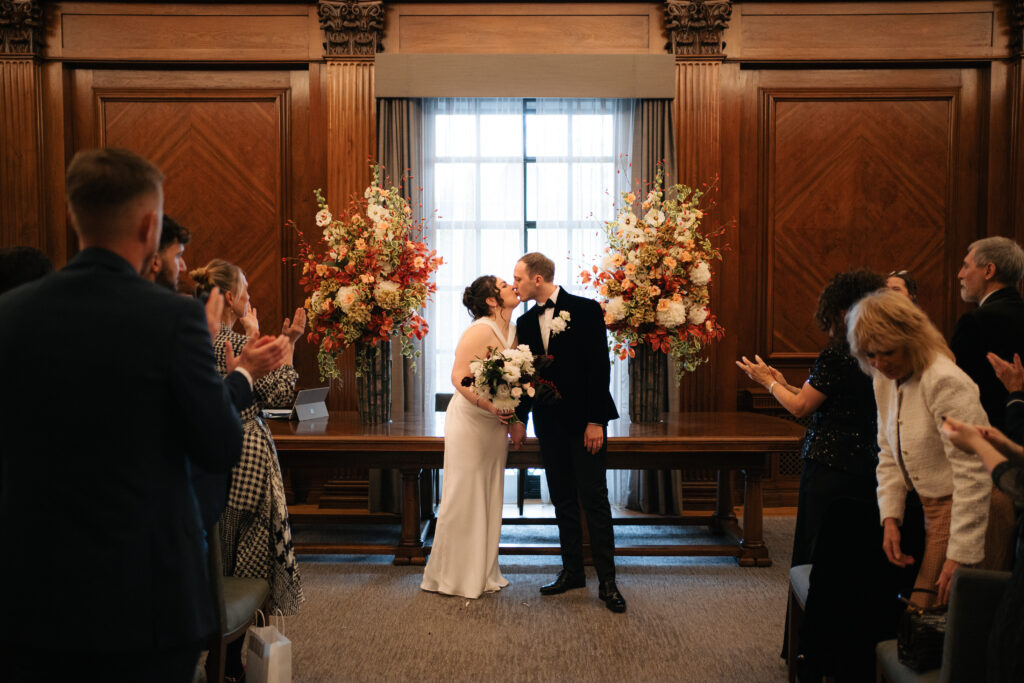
[255, 534]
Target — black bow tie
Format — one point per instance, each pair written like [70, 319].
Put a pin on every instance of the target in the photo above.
[550, 303]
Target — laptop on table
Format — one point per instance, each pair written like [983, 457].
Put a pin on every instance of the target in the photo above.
[310, 404]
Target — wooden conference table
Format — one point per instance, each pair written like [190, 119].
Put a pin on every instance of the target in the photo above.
[723, 441]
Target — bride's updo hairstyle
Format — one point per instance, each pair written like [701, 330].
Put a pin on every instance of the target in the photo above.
[476, 295]
[216, 273]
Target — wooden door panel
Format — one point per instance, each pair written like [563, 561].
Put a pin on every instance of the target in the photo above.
[848, 168]
[223, 162]
[854, 183]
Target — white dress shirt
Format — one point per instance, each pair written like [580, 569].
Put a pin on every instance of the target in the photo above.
[544, 320]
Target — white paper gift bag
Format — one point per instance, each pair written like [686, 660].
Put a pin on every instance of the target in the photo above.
[269, 659]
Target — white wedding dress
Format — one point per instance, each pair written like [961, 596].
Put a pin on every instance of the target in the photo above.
[464, 558]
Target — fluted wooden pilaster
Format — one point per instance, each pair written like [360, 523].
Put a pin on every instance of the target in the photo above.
[351, 128]
[697, 115]
[21, 214]
[351, 144]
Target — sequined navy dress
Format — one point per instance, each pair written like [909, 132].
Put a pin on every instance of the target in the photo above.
[840, 449]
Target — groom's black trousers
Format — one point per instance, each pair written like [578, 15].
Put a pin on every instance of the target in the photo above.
[576, 478]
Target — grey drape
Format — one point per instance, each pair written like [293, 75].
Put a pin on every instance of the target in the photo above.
[655, 491]
[398, 144]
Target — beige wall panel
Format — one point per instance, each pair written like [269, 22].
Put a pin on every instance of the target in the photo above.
[517, 28]
[156, 35]
[866, 31]
[519, 34]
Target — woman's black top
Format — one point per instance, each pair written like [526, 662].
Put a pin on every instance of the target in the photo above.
[844, 429]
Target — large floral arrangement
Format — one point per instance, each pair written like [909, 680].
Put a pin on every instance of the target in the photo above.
[366, 277]
[655, 274]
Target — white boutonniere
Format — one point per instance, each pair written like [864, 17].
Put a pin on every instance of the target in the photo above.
[560, 323]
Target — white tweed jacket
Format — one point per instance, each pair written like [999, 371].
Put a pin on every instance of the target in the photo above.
[909, 418]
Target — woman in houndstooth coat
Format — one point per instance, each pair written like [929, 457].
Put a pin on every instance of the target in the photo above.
[255, 534]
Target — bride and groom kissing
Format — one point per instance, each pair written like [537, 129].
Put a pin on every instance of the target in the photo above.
[571, 433]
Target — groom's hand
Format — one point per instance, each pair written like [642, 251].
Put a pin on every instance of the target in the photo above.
[593, 438]
[517, 432]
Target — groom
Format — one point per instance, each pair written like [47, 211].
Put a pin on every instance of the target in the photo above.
[572, 432]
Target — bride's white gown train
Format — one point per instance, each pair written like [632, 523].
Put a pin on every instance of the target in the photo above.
[464, 557]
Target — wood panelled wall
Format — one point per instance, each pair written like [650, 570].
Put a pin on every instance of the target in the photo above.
[841, 134]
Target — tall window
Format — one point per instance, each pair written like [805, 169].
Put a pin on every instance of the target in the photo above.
[508, 176]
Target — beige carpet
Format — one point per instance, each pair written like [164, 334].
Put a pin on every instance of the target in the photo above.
[688, 619]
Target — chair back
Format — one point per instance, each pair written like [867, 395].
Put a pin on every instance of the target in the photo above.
[215, 568]
[973, 600]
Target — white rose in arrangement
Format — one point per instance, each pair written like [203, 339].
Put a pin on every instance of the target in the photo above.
[655, 217]
[475, 366]
[316, 303]
[323, 218]
[670, 313]
[698, 314]
[345, 297]
[700, 274]
[376, 212]
[530, 391]
[615, 310]
[517, 392]
[632, 236]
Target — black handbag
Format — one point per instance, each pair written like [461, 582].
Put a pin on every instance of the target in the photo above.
[922, 632]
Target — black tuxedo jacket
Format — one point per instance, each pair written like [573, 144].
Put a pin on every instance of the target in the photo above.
[580, 368]
[109, 386]
[996, 326]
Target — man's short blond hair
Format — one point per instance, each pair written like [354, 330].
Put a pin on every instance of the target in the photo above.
[538, 264]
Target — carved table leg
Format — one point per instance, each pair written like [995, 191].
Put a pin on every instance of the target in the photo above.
[410, 547]
[753, 551]
[724, 516]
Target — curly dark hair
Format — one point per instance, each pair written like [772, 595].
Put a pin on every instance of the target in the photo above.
[839, 295]
[474, 298]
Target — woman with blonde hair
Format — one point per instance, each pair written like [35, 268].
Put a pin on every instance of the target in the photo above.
[255, 533]
[916, 385]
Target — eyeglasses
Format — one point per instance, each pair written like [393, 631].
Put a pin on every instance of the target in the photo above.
[898, 273]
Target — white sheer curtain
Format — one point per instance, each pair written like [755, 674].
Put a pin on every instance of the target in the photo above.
[507, 176]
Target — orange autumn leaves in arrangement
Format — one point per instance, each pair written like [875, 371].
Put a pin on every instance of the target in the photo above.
[367, 276]
[655, 274]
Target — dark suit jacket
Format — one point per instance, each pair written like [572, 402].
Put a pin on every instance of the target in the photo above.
[109, 383]
[996, 326]
[580, 369]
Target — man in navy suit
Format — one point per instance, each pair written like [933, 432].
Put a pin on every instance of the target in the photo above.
[989, 276]
[571, 432]
[110, 388]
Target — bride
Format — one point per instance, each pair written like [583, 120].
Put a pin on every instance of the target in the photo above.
[464, 558]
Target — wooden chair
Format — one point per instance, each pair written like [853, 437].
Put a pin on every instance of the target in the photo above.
[973, 599]
[236, 601]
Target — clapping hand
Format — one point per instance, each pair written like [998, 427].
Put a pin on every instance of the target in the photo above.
[1010, 374]
[250, 323]
[260, 355]
[294, 328]
[759, 371]
[963, 435]
[214, 311]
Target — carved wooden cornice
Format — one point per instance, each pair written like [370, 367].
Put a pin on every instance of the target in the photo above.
[1017, 26]
[695, 26]
[21, 27]
[352, 27]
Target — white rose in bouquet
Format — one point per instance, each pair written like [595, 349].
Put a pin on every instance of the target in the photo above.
[700, 274]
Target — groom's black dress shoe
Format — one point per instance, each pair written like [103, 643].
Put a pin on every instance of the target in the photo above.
[613, 599]
[564, 582]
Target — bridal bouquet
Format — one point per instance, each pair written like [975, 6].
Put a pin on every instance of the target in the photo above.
[505, 375]
[654, 277]
[367, 276]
